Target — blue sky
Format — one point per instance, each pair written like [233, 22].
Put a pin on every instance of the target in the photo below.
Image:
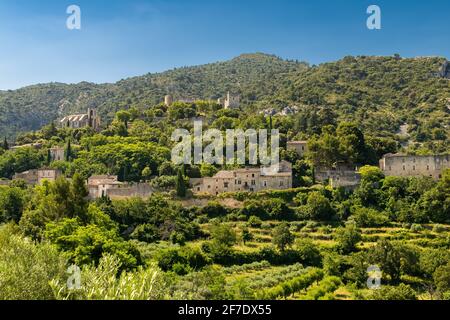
[123, 38]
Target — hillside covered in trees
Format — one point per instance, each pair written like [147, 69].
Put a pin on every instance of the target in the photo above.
[378, 93]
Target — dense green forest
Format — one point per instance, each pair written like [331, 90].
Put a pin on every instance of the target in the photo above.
[310, 242]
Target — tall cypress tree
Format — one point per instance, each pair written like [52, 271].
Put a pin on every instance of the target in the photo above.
[5, 144]
[180, 185]
[49, 156]
[68, 151]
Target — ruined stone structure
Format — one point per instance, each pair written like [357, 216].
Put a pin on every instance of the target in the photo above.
[342, 176]
[99, 185]
[128, 190]
[414, 166]
[109, 186]
[37, 176]
[232, 101]
[57, 154]
[248, 179]
[89, 119]
[168, 100]
[301, 147]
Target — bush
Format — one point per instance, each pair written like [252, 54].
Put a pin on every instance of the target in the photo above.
[438, 228]
[254, 222]
[308, 252]
[416, 228]
[324, 289]
[400, 292]
[181, 260]
[214, 210]
[366, 217]
[26, 269]
[292, 286]
[347, 238]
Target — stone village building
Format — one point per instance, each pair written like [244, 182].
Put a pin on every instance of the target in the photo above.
[37, 176]
[57, 154]
[402, 165]
[301, 147]
[75, 121]
[247, 179]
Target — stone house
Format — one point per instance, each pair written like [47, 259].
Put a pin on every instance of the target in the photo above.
[232, 101]
[248, 179]
[414, 166]
[301, 147]
[37, 176]
[57, 153]
[99, 185]
[338, 177]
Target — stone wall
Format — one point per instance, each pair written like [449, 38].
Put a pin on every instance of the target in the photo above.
[139, 190]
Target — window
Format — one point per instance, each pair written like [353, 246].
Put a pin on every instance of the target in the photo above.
[265, 183]
[428, 167]
[281, 183]
[390, 168]
[239, 182]
[225, 184]
[404, 168]
[253, 175]
[414, 168]
[253, 182]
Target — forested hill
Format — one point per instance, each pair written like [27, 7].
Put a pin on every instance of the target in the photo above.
[378, 90]
[253, 75]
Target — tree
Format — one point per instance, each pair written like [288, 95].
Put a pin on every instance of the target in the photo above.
[123, 116]
[394, 259]
[12, 203]
[246, 235]
[442, 278]
[223, 235]
[435, 203]
[308, 251]
[68, 151]
[207, 170]
[146, 173]
[49, 157]
[347, 238]
[180, 185]
[400, 292]
[318, 207]
[79, 193]
[282, 236]
[352, 145]
[26, 268]
[5, 144]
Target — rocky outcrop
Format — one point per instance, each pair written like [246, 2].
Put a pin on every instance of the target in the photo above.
[445, 70]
